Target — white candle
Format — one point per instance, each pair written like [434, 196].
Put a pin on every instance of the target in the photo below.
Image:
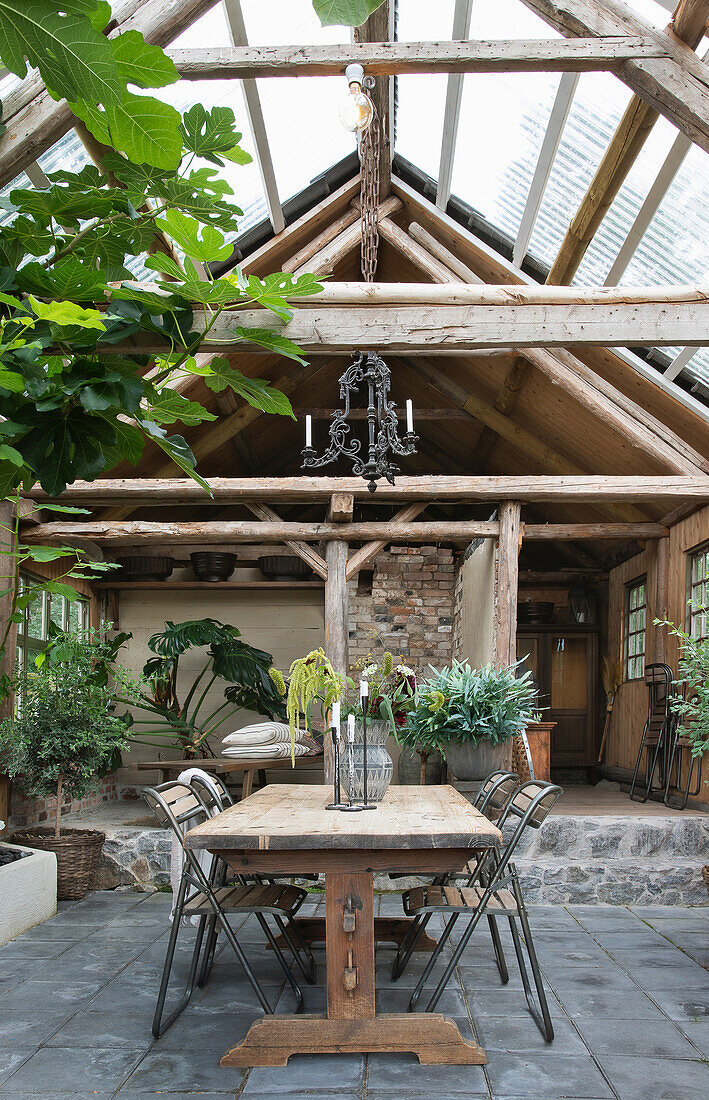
[335, 721]
[409, 415]
[350, 727]
[364, 689]
[308, 431]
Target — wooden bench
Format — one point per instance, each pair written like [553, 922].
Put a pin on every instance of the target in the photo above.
[222, 765]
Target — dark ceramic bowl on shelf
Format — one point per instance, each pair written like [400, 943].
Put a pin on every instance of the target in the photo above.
[535, 611]
[145, 567]
[284, 567]
[212, 566]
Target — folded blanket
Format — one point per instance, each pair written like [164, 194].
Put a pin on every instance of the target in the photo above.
[261, 733]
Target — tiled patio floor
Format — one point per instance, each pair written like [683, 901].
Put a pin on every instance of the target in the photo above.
[629, 994]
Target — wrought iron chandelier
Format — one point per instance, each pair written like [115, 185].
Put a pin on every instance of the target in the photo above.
[371, 461]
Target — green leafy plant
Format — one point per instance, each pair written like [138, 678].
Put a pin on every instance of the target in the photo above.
[459, 703]
[312, 679]
[349, 13]
[77, 393]
[66, 735]
[184, 725]
[392, 689]
[693, 677]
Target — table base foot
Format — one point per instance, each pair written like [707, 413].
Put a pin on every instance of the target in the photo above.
[433, 1038]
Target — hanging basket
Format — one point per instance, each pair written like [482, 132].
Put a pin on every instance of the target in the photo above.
[77, 852]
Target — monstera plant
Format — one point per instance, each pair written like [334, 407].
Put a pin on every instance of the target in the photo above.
[250, 683]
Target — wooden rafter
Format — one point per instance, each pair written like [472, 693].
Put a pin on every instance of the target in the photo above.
[367, 553]
[316, 562]
[584, 489]
[378, 28]
[641, 114]
[505, 401]
[530, 55]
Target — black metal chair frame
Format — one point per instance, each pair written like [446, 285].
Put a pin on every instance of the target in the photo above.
[655, 740]
[287, 926]
[494, 872]
[196, 884]
[495, 792]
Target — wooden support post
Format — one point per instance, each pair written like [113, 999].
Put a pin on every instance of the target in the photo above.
[662, 561]
[336, 620]
[507, 583]
[349, 907]
[341, 508]
[7, 662]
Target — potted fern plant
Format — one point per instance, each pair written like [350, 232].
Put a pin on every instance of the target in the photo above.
[470, 714]
[64, 739]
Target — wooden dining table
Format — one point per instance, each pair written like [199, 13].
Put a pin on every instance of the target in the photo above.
[285, 829]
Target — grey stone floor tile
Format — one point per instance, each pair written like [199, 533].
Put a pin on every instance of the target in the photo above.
[307, 1072]
[130, 1094]
[520, 1033]
[622, 941]
[72, 1072]
[639, 1078]
[552, 918]
[397, 1000]
[622, 1037]
[212, 1030]
[105, 1029]
[671, 926]
[687, 974]
[606, 976]
[697, 1031]
[488, 977]
[17, 970]
[505, 1002]
[31, 998]
[401, 1075]
[11, 1059]
[25, 948]
[611, 1004]
[690, 1004]
[171, 1069]
[545, 1074]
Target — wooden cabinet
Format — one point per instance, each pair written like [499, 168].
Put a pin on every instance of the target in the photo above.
[564, 660]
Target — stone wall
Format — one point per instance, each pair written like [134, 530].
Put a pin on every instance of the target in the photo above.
[26, 812]
[409, 607]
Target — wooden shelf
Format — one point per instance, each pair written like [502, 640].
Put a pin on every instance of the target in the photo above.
[104, 586]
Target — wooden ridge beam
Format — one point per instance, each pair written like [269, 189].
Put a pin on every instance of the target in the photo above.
[399, 58]
[584, 489]
[214, 532]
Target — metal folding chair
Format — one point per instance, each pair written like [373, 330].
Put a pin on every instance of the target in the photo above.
[216, 798]
[493, 889]
[179, 807]
[493, 796]
[655, 740]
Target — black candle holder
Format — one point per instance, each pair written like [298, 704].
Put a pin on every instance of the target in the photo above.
[337, 804]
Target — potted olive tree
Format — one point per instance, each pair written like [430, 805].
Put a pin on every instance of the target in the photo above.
[469, 714]
[64, 739]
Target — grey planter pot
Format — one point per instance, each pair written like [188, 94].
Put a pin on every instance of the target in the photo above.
[409, 767]
[473, 763]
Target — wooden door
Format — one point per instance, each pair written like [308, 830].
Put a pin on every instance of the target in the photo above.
[565, 662]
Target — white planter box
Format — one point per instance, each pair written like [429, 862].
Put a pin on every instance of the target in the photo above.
[28, 891]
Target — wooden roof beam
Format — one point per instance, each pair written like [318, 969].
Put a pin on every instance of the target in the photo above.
[582, 489]
[641, 114]
[577, 54]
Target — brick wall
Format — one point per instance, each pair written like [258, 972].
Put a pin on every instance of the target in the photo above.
[410, 606]
[26, 812]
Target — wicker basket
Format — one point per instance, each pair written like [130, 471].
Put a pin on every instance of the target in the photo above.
[77, 852]
[705, 875]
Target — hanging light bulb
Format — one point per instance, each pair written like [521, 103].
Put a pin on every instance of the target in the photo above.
[356, 109]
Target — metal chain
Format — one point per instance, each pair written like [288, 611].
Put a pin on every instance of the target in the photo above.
[369, 195]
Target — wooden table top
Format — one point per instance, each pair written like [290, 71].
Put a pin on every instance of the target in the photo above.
[223, 764]
[293, 816]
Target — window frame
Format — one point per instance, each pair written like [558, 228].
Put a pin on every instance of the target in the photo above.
[697, 593]
[634, 663]
[29, 645]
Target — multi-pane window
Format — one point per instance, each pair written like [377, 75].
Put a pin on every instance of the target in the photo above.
[635, 614]
[33, 631]
[698, 593]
